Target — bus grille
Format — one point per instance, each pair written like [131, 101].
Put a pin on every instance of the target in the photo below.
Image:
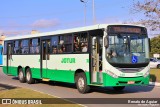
[130, 70]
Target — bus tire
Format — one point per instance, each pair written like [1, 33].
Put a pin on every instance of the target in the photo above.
[21, 76]
[81, 83]
[29, 78]
[119, 88]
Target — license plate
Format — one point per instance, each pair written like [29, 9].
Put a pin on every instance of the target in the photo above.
[131, 82]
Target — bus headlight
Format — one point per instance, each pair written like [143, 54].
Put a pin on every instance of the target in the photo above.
[146, 74]
[111, 74]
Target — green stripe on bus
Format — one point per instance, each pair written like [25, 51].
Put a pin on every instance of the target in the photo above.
[68, 76]
[52, 74]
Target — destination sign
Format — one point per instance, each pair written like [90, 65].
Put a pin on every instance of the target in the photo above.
[125, 29]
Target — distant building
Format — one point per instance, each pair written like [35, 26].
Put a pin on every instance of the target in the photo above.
[34, 32]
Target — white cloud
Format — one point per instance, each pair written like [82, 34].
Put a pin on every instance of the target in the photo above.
[44, 23]
[13, 32]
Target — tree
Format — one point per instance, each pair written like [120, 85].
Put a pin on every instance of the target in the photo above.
[155, 45]
[151, 9]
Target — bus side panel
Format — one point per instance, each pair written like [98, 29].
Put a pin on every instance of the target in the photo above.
[32, 61]
[62, 67]
[64, 75]
[61, 75]
[36, 73]
[13, 69]
[5, 69]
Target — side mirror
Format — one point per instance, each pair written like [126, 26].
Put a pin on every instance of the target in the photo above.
[106, 44]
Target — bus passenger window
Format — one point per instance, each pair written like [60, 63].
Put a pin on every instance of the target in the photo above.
[65, 43]
[81, 42]
[16, 47]
[34, 46]
[54, 44]
[61, 43]
[84, 42]
[24, 47]
[76, 44]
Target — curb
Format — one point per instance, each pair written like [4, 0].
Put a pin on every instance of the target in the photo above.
[154, 84]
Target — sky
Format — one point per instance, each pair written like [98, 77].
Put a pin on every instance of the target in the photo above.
[19, 17]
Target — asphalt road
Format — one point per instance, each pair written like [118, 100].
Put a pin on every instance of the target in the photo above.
[64, 90]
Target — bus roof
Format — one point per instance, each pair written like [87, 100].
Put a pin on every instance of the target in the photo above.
[65, 31]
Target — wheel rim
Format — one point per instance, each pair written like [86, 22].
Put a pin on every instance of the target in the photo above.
[81, 83]
[28, 76]
[20, 75]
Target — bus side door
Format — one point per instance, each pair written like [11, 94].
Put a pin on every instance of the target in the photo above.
[96, 60]
[9, 57]
[45, 56]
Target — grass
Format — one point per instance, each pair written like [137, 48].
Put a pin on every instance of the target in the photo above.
[27, 93]
[155, 75]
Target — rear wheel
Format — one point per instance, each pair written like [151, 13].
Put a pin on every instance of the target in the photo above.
[21, 76]
[81, 83]
[119, 88]
[29, 78]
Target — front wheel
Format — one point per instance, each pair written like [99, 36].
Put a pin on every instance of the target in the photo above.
[81, 83]
[119, 88]
[29, 78]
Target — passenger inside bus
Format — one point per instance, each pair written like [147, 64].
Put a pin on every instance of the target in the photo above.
[76, 44]
[111, 52]
[37, 49]
[54, 50]
[60, 51]
[63, 48]
[84, 47]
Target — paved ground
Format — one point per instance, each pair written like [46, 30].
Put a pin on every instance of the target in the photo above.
[65, 90]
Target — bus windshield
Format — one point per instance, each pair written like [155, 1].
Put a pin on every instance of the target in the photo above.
[127, 49]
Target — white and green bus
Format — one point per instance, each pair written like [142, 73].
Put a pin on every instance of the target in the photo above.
[98, 55]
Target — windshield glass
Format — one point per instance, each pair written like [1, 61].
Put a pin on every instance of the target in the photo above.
[127, 49]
